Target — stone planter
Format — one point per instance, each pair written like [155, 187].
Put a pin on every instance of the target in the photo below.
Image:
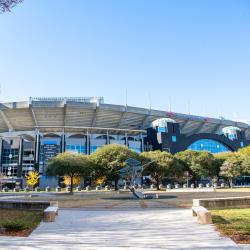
[200, 185]
[107, 187]
[125, 187]
[184, 185]
[215, 185]
[152, 186]
[98, 188]
[222, 185]
[58, 189]
[67, 189]
[26, 189]
[47, 189]
[5, 190]
[161, 186]
[208, 185]
[192, 185]
[17, 189]
[177, 186]
[87, 188]
[78, 188]
[37, 189]
[169, 186]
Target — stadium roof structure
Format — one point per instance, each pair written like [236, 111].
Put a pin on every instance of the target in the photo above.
[92, 114]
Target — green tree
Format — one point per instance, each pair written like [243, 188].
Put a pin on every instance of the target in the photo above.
[70, 164]
[246, 165]
[205, 165]
[200, 164]
[163, 164]
[232, 168]
[109, 159]
[244, 151]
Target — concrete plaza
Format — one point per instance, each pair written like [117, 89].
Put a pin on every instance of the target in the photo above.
[122, 228]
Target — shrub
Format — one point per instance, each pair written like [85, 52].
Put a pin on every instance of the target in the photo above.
[15, 225]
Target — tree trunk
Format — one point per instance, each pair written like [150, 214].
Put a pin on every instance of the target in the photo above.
[116, 184]
[231, 182]
[157, 183]
[71, 184]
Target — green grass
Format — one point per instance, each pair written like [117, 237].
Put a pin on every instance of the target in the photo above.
[234, 223]
[19, 220]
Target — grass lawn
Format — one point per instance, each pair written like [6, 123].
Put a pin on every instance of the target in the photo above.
[234, 223]
[19, 222]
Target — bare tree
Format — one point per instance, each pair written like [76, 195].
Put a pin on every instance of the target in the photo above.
[7, 5]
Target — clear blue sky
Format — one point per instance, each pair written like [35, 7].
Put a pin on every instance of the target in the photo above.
[187, 51]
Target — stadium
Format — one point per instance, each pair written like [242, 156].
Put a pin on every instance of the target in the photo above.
[32, 132]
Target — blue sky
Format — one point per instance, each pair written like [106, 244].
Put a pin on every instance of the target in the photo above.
[193, 54]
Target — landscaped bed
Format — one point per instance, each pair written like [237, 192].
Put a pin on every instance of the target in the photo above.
[234, 223]
[19, 222]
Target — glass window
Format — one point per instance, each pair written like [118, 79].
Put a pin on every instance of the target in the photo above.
[138, 150]
[209, 145]
[94, 148]
[76, 148]
[173, 138]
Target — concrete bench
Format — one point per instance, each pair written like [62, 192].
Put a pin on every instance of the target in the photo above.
[146, 195]
[203, 215]
[50, 213]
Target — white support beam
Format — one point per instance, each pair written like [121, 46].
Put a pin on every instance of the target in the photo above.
[216, 127]
[121, 117]
[33, 116]
[199, 128]
[7, 122]
[93, 123]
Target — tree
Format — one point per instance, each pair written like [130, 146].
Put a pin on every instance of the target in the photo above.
[246, 165]
[76, 180]
[110, 159]
[32, 178]
[100, 180]
[163, 164]
[70, 164]
[232, 168]
[7, 5]
[187, 157]
[205, 165]
[244, 151]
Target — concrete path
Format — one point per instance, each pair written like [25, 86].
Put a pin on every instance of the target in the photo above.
[118, 229]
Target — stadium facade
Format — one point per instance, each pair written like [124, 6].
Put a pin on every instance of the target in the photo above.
[32, 132]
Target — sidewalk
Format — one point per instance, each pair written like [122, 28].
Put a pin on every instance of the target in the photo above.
[141, 229]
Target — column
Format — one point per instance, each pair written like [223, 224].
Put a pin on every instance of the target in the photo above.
[20, 159]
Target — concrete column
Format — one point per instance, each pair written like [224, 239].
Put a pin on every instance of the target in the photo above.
[20, 159]
[88, 143]
[107, 137]
[63, 142]
[37, 147]
[142, 143]
[126, 139]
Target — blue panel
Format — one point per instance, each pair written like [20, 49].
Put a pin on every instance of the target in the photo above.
[173, 138]
[50, 142]
[162, 129]
[209, 145]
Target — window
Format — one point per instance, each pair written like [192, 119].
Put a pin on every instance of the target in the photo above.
[76, 148]
[209, 145]
[173, 138]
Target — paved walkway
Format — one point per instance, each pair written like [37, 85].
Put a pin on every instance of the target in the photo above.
[118, 229]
